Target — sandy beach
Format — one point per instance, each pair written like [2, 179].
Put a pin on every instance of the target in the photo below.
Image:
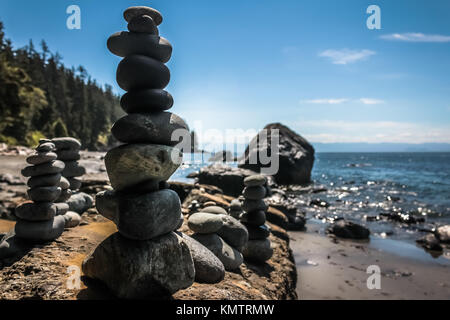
[329, 269]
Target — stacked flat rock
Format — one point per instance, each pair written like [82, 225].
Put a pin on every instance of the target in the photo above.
[145, 258]
[222, 234]
[41, 220]
[235, 208]
[68, 151]
[258, 247]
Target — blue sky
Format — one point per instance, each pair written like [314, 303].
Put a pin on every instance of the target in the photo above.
[312, 65]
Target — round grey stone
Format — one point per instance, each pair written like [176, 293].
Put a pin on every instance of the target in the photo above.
[64, 196]
[254, 218]
[68, 155]
[208, 268]
[43, 169]
[124, 44]
[73, 169]
[258, 250]
[61, 208]
[40, 211]
[230, 257]
[142, 72]
[66, 143]
[45, 147]
[135, 11]
[214, 209]
[142, 269]
[131, 164]
[254, 193]
[254, 205]
[41, 231]
[233, 232]
[72, 219]
[255, 180]
[143, 24]
[75, 183]
[45, 180]
[235, 205]
[64, 183]
[146, 100]
[41, 157]
[180, 223]
[80, 202]
[141, 217]
[155, 128]
[203, 222]
[258, 232]
[44, 194]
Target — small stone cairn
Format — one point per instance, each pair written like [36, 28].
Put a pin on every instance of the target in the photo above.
[258, 248]
[42, 220]
[145, 258]
[224, 235]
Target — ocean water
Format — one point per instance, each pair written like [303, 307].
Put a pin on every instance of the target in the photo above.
[368, 184]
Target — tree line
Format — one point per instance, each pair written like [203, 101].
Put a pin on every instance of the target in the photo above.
[40, 97]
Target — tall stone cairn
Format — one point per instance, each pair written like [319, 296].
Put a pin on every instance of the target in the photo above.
[258, 248]
[145, 258]
[42, 220]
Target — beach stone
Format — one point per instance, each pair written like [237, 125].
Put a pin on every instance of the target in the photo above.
[233, 232]
[141, 217]
[143, 24]
[32, 211]
[209, 204]
[66, 143]
[430, 242]
[45, 147]
[131, 164]
[255, 180]
[146, 100]
[68, 155]
[349, 230]
[254, 218]
[141, 72]
[258, 232]
[10, 245]
[208, 268]
[80, 202]
[64, 183]
[202, 222]
[258, 250]
[61, 208]
[73, 169]
[43, 169]
[64, 196]
[142, 269]
[180, 223]
[254, 193]
[135, 11]
[44, 194]
[45, 180]
[443, 233]
[72, 219]
[215, 210]
[157, 128]
[75, 183]
[40, 231]
[41, 157]
[254, 205]
[229, 256]
[235, 205]
[235, 214]
[124, 44]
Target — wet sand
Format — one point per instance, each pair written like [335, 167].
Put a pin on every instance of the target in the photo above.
[330, 271]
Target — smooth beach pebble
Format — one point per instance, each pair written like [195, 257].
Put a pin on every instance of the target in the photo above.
[255, 180]
[72, 219]
[45, 180]
[254, 193]
[66, 143]
[258, 250]
[141, 72]
[36, 211]
[132, 164]
[146, 100]
[254, 218]
[64, 196]
[132, 12]
[45, 147]
[73, 169]
[214, 209]
[143, 24]
[125, 43]
[61, 208]
[42, 157]
[43, 169]
[64, 183]
[203, 222]
[68, 155]
[44, 194]
[254, 205]
[75, 183]
[233, 232]
[258, 232]
[158, 128]
[40, 231]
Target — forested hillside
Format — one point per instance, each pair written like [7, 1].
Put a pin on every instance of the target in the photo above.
[40, 97]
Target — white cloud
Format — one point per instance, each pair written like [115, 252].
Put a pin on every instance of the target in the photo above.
[345, 56]
[325, 101]
[416, 37]
[371, 101]
[372, 131]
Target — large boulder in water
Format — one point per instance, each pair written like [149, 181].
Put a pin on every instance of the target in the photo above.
[296, 155]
